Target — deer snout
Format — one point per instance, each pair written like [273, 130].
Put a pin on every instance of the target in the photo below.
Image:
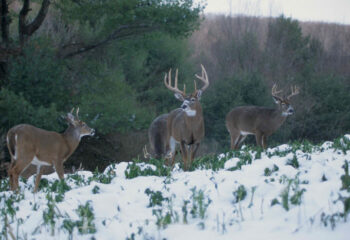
[290, 110]
[184, 105]
[92, 133]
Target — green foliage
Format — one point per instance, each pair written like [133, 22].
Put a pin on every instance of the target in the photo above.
[155, 198]
[240, 194]
[292, 192]
[212, 162]
[4, 184]
[96, 190]
[39, 76]
[199, 203]
[345, 179]
[293, 162]
[15, 109]
[173, 17]
[50, 214]
[86, 223]
[109, 103]
[104, 178]
[268, 171]
[136, 169]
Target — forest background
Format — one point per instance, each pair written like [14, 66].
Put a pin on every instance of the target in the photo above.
[109, 59]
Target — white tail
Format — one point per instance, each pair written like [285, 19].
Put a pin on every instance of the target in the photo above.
[29, 145]
[259, 121]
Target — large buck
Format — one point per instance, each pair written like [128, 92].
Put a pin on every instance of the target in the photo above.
[185, 125]
[259, 121]
[29, 145]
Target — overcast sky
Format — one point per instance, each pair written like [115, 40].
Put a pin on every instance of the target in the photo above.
[305, 10]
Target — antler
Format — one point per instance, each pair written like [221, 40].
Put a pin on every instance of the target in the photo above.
[295, 91]
[167, 82]
[203, 78]
[77, 113]
[274, 91]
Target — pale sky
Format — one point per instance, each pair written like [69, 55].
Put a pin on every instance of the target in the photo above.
[336, 11]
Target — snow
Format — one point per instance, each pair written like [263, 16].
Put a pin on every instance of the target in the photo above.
[122, 208]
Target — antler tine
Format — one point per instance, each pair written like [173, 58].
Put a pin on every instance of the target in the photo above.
[295, 91]
[168, 83]
[77, 113]
[203, 78]
[71, 111]
[274, 91]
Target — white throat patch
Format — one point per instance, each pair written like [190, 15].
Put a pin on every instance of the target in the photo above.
[190, 112]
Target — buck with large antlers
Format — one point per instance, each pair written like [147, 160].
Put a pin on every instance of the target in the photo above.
[29, 145]
[185, 125]
[259, 121]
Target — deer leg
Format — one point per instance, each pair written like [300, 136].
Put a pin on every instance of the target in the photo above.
[171, 147]
[15, 170]
[39, 173]
[240, 140]
[59, 169]
[264, 141]
[183, 148]
[234, 139]
[258, 138]
[193, 151]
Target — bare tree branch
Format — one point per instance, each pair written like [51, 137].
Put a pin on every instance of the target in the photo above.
[120, 33]
[26, 30]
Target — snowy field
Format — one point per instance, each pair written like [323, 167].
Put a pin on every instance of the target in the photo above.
[297, 191]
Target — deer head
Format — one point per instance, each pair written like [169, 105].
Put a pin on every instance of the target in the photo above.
[190, 102]
[284, 102]
[80, 127]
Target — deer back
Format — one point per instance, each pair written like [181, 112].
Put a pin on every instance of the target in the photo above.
[45, 145]
[250, 119]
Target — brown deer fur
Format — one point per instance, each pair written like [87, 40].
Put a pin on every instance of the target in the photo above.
[258, 121]
[31, 145]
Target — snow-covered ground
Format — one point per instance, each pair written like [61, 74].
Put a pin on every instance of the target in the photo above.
[287, 192]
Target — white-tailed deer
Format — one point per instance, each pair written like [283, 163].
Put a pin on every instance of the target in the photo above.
[29, 145]
[185, 125]
[259, 121]
[157, 136]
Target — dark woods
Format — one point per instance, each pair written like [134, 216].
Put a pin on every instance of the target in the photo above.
[110, 59]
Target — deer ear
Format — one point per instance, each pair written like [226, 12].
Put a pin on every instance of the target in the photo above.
[277, 100]
[179, 96]
[70, 118]
[199, 94]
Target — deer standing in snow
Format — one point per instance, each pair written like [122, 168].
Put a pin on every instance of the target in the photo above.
[259, 121]
[185, 125]
[29, 145]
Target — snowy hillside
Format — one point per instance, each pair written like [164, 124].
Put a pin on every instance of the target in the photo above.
[294, 191]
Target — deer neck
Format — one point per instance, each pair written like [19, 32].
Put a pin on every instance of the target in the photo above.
[190, 120]
[72, 137]
[279, 117]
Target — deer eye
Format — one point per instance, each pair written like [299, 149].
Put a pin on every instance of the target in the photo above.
[193, 99]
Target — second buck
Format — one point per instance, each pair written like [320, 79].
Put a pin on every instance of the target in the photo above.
[29, 145]
[259, 121]
[185, 125]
